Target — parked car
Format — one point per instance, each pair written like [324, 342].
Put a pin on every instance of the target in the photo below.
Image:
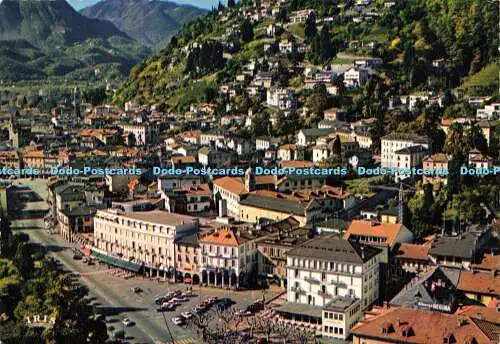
[179, 299]
[166, 308]
[127, 322]
[178, 321]
[77, 256]
[187, 315]
[137, 290]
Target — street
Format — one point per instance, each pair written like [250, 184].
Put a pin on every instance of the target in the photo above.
[113, 295]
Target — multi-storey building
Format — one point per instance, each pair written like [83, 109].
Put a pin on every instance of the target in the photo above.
[355, 77]
[282, 98]
[144, 133]
[73, 221]
[333, 280]
[146, 237]
[188, 259]
[437, 165]
[229, 257]
[392, 143]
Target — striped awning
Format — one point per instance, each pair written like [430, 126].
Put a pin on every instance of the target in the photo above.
[117, 262]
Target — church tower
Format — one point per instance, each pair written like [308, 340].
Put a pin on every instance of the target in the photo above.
[77, 101]
[249, 180]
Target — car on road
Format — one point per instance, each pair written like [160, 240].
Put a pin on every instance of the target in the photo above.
[179, 299]
[178, 321]
[160, 300]
[127, 322]
[77, 256]
[166, 308]
[137, 290]
[187, 315]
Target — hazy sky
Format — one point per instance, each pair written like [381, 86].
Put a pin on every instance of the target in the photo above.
[79, 4]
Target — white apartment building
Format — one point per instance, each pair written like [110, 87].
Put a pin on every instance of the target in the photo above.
[491, 111]
[144, 133]
[355, 77]
[143, 237]
[408, 158]
[394, 142]
[282, 98]
[300, 16]
[265, 143]
[337, 277]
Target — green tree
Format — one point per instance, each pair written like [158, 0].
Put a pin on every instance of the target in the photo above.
[261, 125]
[310, 26]
[476, 139]
[5, 237]
[246, 31]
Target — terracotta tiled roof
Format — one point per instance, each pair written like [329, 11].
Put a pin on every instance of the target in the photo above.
[370, 228]
[489, 262]
[490, 314]
[264, 179]
[296, 163]
[419, 326]
[201, 190]
[190, 159]
[414, 251]
[479, 282]
[231, 184]
[190, 134]
[438, 157]
[221, 237]
[450, 121]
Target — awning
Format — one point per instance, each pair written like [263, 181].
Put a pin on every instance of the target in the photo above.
[117, 262]
[85, 251]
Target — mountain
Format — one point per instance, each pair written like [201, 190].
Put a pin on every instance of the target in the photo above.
[148, 22]
[43, 39]
[50, 41]
[216, 48]
[206, 4]
[37, 21]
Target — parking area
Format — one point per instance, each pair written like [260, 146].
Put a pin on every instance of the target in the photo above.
[112, 293]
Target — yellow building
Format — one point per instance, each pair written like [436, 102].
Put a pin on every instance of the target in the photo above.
[481, 286]
[254, 207]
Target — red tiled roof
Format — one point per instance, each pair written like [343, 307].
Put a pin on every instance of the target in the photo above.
[389, 231]
[419, 326]
[479, 282]
[220, 237]
[414, 251]
[296, 163]
[490, 314]
[489, 262]
[231, 184]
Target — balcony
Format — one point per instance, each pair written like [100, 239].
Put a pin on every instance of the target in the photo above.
[312, 280]
[339, 284]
